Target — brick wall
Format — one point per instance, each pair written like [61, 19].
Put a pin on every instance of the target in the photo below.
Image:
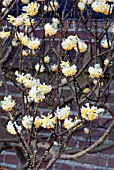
[96, 161]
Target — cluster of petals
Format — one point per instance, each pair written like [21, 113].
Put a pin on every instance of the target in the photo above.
[27, 122]
[12, 126]
[70, 42]
[69, 123]
[37, 90]
[36, 94]
[31, 9]
[97, 5]
[102, 6]
[52, 6]
[48, 121]
[90, 113]
[62, 113]
[73, 42]
[32, 43]
[45, 121]
[21, 19]
[68, 70]
[96, 71]
[8, 103]
[15, 21]
[27, 80]
[4, 34]
[51, 29]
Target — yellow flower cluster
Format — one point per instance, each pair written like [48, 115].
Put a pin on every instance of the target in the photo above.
[92, 113]
[96, 71]
[69, 123]
[68, 70]
[15, 21]
[102, 6]
[31, 9]
[62, 113]
[11, 128]
[97, 5]
[4, 34]
[37, 90]
[21, 19]
[48, 121]
[27, 122]
[27, 80]
[45, 88]
[8, 103]
[32, 43]
[74, 42]
[51, 29]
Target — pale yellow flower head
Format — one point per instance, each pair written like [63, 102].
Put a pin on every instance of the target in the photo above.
[50, 29]
[62, 113]
[68, 70]
[8, 103]
[36, 95]
[11, 128]
[4, 34]
[27, 122]
[92, 113]
[45, 88]
[69, 123]
[96, 71]
[48, 121]
[31, 9]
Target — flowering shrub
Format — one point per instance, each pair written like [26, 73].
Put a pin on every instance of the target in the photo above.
[46, 66]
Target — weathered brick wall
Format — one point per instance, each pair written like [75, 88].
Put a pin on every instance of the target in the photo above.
[96, 161]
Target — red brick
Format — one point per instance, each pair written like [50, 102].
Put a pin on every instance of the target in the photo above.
[93, 160]
[11, 159]
[81, 168]
[111, 163]
[1, 158]
[59, 166]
